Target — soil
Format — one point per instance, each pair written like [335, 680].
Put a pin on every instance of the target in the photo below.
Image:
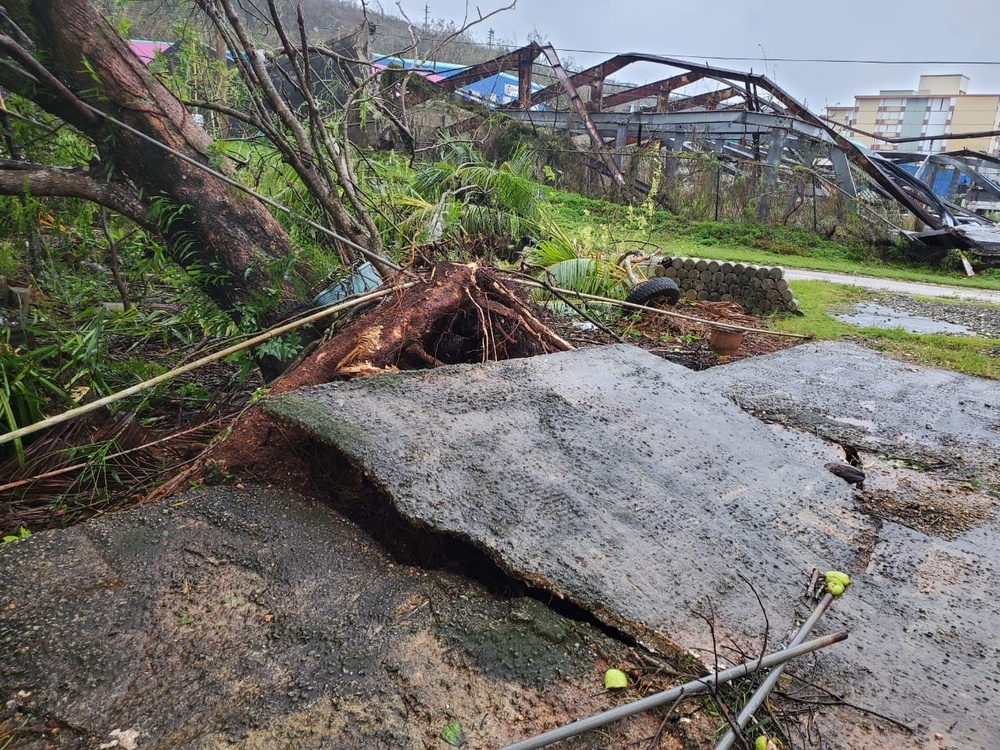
[248, 618]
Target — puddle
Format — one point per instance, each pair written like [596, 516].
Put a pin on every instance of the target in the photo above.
[871, 315]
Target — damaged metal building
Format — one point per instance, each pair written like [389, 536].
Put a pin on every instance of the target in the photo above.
[748, 123]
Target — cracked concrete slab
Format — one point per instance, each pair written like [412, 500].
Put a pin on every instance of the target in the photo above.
[848, 394]
[637, 489]
[251, 618]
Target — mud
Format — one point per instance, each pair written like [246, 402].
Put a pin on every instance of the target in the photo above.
[244, 618]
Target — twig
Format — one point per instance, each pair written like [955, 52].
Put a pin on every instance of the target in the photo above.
[694, 687]
[713, 688]
[663, 724]
[119, 454]
[841, 701]
[581, 311]
[767, 686]
[116, 270]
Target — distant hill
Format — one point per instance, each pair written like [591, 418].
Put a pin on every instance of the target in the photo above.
[324, 20]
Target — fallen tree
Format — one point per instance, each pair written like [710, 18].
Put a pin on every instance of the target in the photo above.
[66, 58]
[456, 313]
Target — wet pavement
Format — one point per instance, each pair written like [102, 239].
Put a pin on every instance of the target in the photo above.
[641, 491]
[247, 618]
[663, 500]
[894, 285]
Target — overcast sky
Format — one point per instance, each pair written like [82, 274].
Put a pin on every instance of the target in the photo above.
[912, 30]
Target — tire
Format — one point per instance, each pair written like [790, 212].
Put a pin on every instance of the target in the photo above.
[661, 286]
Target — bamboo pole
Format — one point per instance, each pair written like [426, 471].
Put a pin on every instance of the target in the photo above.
[669, 313]
[66, 416]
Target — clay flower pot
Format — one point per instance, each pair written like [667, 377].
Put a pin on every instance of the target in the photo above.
[724, 340]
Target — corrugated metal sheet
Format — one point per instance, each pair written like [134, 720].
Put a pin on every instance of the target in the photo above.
[146, 50]
[499, 89]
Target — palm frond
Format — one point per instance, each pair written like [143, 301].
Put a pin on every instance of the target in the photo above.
[588, 276]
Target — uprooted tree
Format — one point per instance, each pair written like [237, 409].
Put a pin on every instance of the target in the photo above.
[153, 164]
[157, 167]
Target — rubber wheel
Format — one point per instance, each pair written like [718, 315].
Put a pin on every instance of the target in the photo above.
[661, 286]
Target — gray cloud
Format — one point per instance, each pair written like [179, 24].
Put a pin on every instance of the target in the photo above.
[767, 32]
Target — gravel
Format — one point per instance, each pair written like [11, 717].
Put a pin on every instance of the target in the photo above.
[982, 319]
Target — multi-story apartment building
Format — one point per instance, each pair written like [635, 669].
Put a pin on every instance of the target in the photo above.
[940, 106]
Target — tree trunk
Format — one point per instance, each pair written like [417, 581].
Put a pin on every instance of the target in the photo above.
[225, 238]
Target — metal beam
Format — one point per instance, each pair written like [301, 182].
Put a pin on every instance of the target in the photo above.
[588, 77]
[581, 110]
[773, 160]
[708, 99]
[524, 64]
[664, 125]
[509, 61]
[842, 168]
[657, 88]
[785, 100]
[860, 158]
[969, 171]
[891, 179]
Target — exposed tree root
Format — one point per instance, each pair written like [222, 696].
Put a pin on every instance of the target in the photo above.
[459, 313]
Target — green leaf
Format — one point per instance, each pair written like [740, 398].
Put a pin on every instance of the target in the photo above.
[615, 679]
[453, 734]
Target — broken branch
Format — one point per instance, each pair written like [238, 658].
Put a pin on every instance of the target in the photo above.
[694, 687]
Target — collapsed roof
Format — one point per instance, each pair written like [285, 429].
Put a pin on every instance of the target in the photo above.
[739, 105]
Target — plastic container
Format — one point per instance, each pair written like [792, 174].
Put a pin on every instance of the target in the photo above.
[363, 278]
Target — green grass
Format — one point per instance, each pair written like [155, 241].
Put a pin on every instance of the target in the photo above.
[620, 226]
[819, 301]
[609, 229]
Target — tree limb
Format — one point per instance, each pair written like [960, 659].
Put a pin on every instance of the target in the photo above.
[36, 70]
[21, 178]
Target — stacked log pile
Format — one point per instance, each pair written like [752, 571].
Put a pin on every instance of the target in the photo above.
[758, 289]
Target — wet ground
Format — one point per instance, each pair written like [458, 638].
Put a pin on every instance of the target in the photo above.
[246, 618]
[871, 315]
[239, 617]
[639, 490]
[926, 315]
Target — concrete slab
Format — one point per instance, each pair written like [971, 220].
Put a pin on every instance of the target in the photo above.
[251, 619]
[848, 394]
[924, 608]
[638, 489]
[614, 478]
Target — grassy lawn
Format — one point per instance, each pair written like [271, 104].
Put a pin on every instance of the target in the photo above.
[611, 229]
[620, 227]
